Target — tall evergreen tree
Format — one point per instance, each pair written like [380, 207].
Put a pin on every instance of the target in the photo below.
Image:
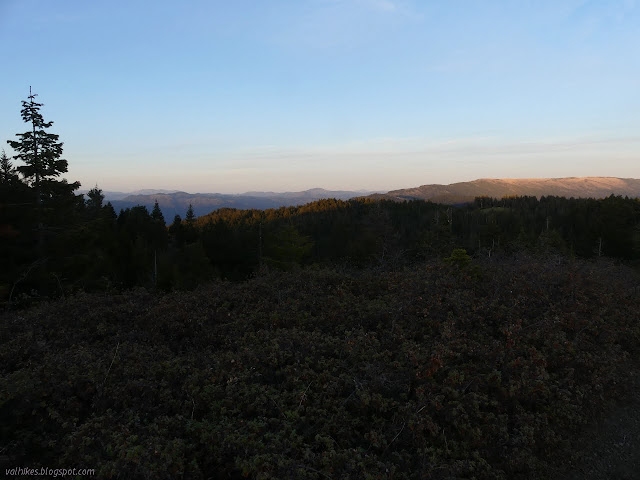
[176, 231]
[190, 231]
[7, 171]
[156, 213]
[190, 218]
[95, 199]
[160, 235]
[40, 151]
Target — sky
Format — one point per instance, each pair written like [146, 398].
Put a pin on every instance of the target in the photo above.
[285, 95]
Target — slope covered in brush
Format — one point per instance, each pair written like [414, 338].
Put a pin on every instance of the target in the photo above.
[457, 369]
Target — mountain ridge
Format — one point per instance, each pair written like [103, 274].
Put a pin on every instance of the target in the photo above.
[463, 192]
[173, 202]
[177, 203]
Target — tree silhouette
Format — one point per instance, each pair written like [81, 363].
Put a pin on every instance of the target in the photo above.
[96, 197]
[40, 151]
[156, 213]
[7, 171]
[191, 216]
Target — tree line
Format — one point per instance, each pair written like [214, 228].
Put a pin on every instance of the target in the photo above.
[55, 241]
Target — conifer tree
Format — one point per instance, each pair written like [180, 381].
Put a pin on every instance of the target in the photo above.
[191, 216]
[159, 237]
[176, 231]
[190, 231]
[160, 234]
[156, 213]
[7, 172]
[40, 151]
[96, 197]
[177, 222]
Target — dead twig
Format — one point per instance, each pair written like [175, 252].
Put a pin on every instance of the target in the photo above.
[394, 438]
[276, 404]
[109, 369]
[304, 395]
[59, 284]
[25, 274]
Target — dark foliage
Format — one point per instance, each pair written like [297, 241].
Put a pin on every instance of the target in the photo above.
[483, 370]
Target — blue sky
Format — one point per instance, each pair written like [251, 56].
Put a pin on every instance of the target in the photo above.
[238, 95]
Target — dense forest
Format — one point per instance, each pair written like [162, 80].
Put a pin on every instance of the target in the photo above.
[339, 339]
[86, 245]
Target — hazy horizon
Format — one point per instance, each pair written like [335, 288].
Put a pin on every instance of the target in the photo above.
[150, 191]
[153, 191]
[372, 95]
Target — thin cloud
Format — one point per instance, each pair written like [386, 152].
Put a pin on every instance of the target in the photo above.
[380, 5]
[330, 24]
[483, 145]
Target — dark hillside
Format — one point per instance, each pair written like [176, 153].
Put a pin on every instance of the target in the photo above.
[478, 369]
[92, 248]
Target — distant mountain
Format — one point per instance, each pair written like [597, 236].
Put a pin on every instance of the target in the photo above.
[177, 203]
[578, 187]
[151, 191]
[309, 195]
[111, 195]
[108, 195]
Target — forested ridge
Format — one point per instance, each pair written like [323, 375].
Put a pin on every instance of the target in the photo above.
[87, 246]
[339, 339]
[90, 247]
